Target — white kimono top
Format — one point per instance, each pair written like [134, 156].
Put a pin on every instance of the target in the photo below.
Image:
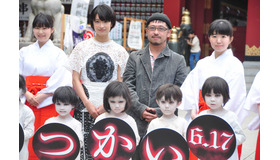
[73, 124]
[98, 64]
[225, 66]
[232, 120]
[252, 102]
[26, 120]
[127, 118]
[177, 124]
[46, 61]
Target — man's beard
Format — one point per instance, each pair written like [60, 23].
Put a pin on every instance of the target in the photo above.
[155, 43]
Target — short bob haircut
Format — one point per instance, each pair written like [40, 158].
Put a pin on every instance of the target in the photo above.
[22, 84]
[220, 26]
[114, 89]
[65, 94]
[43, 20]
[219, 86]
[169, 91]
[105, 13]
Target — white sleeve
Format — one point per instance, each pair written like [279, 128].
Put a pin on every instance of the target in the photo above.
[190, 90]
[61, 77]
[237, 91]
[28, 126]
[253, 97]
[239, 134]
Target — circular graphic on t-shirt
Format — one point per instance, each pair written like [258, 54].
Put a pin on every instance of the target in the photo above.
[100, 67]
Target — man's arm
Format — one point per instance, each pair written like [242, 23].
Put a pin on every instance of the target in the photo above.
[129, 77]
[181, 72]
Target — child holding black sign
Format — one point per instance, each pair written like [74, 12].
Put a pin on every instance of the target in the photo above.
[215, 92]
[65, 99]
[169, 97]
[116, 101]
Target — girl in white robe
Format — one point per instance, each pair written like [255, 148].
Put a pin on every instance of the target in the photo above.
[221, 63]
[41, 64]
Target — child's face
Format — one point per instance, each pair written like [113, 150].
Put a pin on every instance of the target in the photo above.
[63, 109]
[190, 35]
[214, 101]
[168, 107]
[220, 43]
[117, 104]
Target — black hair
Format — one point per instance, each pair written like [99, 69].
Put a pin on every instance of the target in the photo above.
[22, 84]
[190, 31]
[43, 20]
[220, 26]
[65, 94]
[219, 86]
[105, 13]
[114, 89]
[169, 91]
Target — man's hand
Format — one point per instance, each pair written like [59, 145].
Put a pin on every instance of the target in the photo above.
[149, 114]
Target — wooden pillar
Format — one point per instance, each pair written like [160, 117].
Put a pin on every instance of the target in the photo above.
[174, 9]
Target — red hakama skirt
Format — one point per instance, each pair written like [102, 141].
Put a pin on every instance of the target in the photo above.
[34, 84]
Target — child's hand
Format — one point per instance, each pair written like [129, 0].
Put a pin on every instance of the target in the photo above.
[149, 114]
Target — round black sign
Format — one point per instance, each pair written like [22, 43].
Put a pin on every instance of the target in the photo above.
[111, 138]
[162, 144]
[210, 137]
[56, 141]
[21, 137]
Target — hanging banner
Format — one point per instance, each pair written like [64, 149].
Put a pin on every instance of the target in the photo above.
[79, 8]
[111, 138]
[162, 144]
[97, 2]
[134, 39]
[24, 9]
[116, 32]
[75, 25]
[212, 140]
[56, 141]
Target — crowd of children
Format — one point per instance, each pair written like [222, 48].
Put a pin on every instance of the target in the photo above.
[218, 79]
